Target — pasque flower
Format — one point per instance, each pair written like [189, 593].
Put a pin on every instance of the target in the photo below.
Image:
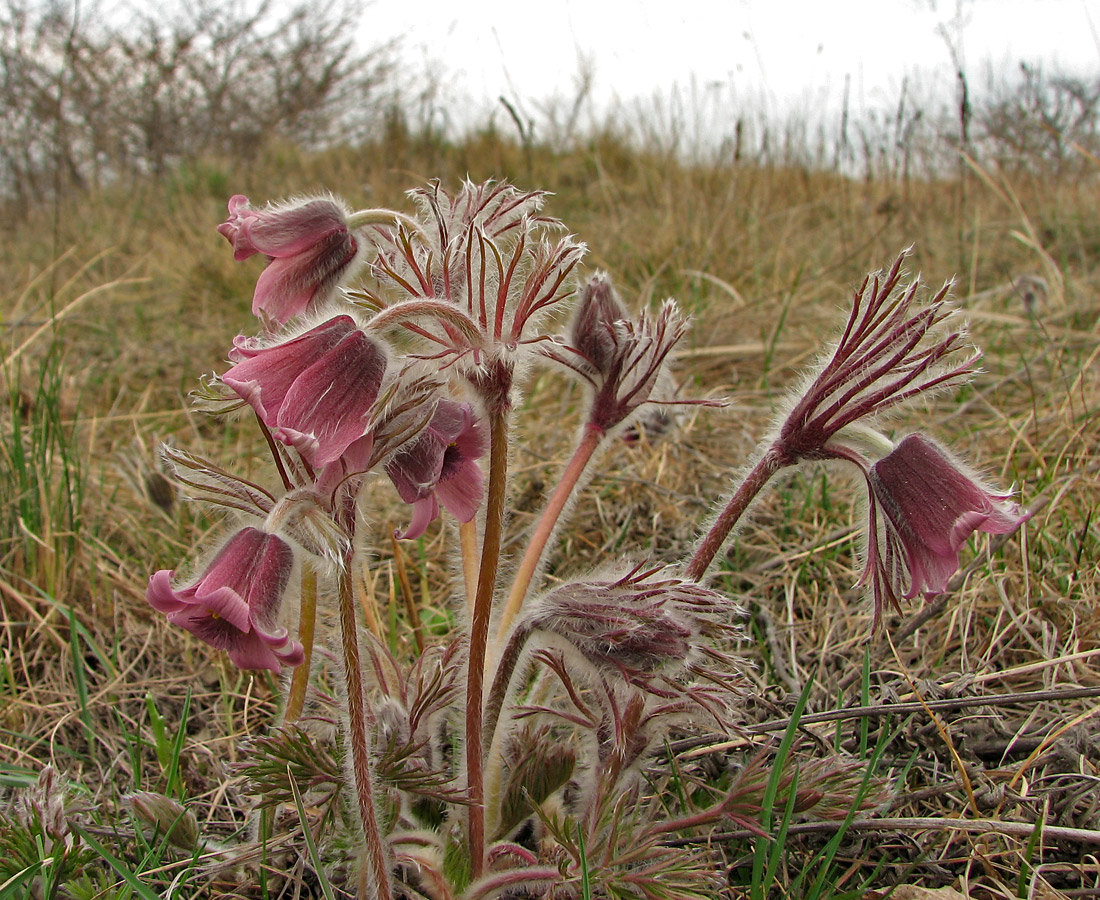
[234, 604]
[620, 357]
[891, 350]
[315, 391]
[477, 278]
[441, 466]
[309, 247]
[922, 507]
[642, 622]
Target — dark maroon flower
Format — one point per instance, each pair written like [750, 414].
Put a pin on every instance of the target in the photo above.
[315, 391]
[440, 466]
[234, 604]
[309, 247]
[923, 506]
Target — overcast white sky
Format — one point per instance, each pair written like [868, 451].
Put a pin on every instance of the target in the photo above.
[787, 52]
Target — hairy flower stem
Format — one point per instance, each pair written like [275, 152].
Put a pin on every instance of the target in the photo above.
[377, 871]
[505, 669]
[307, 621]
[389, 217]
[479, 630]
[467, 537]
[498, 692]
[536, 549]
[771, 462]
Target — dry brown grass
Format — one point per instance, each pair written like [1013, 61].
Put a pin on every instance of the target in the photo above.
[765, 258]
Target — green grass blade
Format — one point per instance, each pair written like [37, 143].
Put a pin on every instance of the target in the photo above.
[586, 886]
[19, 880]
[780, 842]
[124, 872]
[761, 854]
[160, 733]
[79, 677]
[823, 861]
[311, 845]
[174, 785]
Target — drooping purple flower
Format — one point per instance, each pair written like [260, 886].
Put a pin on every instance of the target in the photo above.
[440, 466]
[405, 407]
[309, 247]
[315, 391]
[922, 507]
[621, 358]
[234, 604]
[891, 350]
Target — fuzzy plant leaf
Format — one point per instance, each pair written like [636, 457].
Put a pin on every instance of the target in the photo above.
[409, 722]
[626, 860]
[541, 765]
[286, 754]
[456, 863]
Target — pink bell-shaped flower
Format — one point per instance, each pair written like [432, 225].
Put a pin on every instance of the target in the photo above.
[309, 247]
[923, 506]
[315, 392]
[234, 604]
[440, 466]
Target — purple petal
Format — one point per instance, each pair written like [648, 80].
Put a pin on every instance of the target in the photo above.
[288, 285]
[231, 229]
[415, 469]
[226, 604]
[424, 511]
[930, 573]
[252, 653]
[308, 246]
[268, 374]
[293, 230]
[461, 493]
[932, 505]
[261, 650]
[328, 405]
[213, 630]
[159, 593]
[450, 420]
[236, 600]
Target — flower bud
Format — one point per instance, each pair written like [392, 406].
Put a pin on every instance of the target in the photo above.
[166, 817]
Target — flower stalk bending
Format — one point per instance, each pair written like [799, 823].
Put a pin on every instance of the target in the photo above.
[770, 463]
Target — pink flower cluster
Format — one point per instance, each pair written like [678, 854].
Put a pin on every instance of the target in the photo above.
[415, 376]
[473, 285]
[324, 393]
